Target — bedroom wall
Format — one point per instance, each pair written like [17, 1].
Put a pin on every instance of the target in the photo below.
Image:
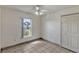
[51, 24]
[11, 27]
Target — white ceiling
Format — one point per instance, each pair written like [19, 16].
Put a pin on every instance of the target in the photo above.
[30, 8]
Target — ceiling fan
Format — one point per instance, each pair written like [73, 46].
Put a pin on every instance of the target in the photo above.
[38, 10]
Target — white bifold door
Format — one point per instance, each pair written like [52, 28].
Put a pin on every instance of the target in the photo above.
[70, 31]
[0, 30]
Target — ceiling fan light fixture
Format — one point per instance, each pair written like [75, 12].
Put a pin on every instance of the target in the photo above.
[41, 13]
[37, 13]
[37, 8]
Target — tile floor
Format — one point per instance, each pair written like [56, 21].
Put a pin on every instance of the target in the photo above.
[38, 46]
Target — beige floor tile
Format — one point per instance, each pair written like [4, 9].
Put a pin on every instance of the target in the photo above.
[38, 46]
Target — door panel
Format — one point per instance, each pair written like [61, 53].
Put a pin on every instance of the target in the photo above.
[0, 29]
[70, 32]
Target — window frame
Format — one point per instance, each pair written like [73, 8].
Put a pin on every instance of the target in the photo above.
[22, 27]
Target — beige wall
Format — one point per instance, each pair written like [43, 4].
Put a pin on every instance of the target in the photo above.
[11, 27]
[51, 24]
[51, 28]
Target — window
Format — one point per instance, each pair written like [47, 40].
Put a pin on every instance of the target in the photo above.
[26, 27]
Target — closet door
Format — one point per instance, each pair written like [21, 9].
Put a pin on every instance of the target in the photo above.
[70, 32]
[0, 29]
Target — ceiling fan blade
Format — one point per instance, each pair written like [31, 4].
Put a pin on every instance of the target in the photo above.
[44, 10]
